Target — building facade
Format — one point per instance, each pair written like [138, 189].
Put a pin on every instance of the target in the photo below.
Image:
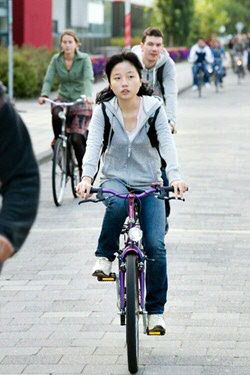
[40, 22]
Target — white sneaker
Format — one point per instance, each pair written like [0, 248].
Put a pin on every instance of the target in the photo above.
[102, 267]
[194, 88]
[156, 323]
[207, 85]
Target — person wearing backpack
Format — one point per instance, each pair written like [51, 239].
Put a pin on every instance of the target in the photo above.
[160, 74]
[130, 162]
[158, 70]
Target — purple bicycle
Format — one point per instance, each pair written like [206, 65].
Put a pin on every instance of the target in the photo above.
[130, 279]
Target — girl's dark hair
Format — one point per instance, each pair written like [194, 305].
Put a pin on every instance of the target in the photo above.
[107, 94]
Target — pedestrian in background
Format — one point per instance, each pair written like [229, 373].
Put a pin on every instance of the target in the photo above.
[19, 180]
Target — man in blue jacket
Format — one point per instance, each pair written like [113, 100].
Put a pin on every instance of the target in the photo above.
[19, 180]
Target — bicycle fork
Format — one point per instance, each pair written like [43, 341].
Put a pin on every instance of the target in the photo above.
[121, 288]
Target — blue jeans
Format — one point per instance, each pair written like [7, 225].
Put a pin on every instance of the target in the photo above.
[218, 62]
[152, 221]
[196, 68]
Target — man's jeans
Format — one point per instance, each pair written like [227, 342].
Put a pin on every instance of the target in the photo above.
[196, 68]
[152, 220]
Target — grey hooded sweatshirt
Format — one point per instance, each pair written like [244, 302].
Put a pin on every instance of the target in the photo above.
[169, 80]
[134, 162]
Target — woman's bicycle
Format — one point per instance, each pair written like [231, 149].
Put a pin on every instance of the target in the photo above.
[130, 279]
[239, 67]
[64, 163]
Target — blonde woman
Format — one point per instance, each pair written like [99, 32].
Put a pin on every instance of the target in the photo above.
[75, 75]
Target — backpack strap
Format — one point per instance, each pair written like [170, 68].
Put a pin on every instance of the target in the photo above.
[159, 76]
[152, 135]
[107, 136]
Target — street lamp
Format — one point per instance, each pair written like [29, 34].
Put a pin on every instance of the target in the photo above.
[127, 23]
[239, 27]
[222, 29]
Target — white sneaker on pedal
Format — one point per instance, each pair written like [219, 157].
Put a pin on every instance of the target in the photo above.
[156, 323]
[194, 88]
[207, 85]
[102, 267]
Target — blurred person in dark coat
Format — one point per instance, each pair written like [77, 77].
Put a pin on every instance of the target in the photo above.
[19, 180]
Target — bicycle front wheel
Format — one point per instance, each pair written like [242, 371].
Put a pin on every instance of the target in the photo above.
[74, 172]
[59, 172]
[132, 313]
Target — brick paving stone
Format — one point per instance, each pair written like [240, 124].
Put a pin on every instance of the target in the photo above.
[55, 317]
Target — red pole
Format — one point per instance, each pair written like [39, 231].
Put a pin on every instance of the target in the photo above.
[127, 23]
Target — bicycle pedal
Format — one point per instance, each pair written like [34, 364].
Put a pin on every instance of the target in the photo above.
[111, 277]
[155, 333]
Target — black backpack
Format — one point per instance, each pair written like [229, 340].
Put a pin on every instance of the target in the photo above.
[159, 76]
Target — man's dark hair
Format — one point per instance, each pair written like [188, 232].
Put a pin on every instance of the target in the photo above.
[151, 31]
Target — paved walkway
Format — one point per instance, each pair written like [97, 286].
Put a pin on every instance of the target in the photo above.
[38, 120]
[56, 319]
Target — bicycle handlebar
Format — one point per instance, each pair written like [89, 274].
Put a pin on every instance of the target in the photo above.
[161, 190]
[82, 99]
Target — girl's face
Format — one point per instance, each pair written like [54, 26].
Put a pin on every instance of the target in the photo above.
[68, 44]
[125, 81]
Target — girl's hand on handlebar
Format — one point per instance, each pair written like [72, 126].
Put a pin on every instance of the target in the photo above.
[41, 100]
[84, 186]
[180, 187]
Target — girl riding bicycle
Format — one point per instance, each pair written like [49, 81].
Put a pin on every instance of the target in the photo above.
[131, 163]
[75, 73]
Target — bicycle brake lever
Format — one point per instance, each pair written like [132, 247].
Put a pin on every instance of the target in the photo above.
[164, 198]
[91, 200]
[179, 199]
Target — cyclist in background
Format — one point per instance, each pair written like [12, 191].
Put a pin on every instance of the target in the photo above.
[240, 52]
[200, 53]
[153, 56]
[19, 181]
[75, 74]
[160, 74]
[130, 163]
[219, 56]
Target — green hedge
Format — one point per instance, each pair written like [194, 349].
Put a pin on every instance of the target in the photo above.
[29, 67]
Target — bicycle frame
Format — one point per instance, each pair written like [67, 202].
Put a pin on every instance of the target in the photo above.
[130, 280]
[134, 247]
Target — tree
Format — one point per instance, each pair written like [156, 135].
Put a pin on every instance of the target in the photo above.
[174, 19]
[211, 14]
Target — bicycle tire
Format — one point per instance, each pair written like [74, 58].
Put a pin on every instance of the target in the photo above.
[59, 169]
[132, 314]
[217, 82]
[200, 82]
[74, 172]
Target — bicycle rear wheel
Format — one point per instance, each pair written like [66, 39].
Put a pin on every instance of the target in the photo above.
[59, 172]
[132, 314]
